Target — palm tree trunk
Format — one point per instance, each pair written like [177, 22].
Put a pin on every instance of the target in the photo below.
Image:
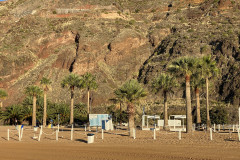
[198, 106]
[34, 111]
[120, 117]
[71, 109]
[165, 127]
[207, 106]
[88, 102]
[131, 115]
[1, 104]
[188, 103]
[45, 109]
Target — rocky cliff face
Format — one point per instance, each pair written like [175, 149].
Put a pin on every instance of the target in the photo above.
[116, 41]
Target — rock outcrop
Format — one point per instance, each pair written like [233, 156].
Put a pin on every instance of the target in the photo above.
[116, 42]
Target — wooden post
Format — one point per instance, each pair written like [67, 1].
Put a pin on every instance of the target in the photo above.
[134, 133]
[239, 117]
[179, 135]
[71, 134]
[8, 135]
[154, 133]
[214, 127]
[238, 134]
[211, 134]
[56, 135]
[39, 136]
[19, 134]
[147, 122]
[41, 130]
[58, 127]
[174, 123]
[102, 133]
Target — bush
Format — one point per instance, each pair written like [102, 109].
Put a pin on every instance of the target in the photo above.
[218, 115]
[137, 10]
[23, 112]
[117, 116]
[132, 22]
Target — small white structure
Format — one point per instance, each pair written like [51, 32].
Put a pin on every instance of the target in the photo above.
[146, 117]
[107, 125]
[171, 123]
[177, 119]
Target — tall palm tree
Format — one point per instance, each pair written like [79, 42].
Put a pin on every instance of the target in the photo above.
[33, 91]
[71, 81]
[45, 82]
[90, 83]
[185, 66]
[130, 92]
[209, 70]
[166, 83]
[3, 95]
[196, 83]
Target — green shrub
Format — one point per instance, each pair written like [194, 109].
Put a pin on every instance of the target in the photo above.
[137, 10]
[219, 115]
[153, 10]
[132, 22]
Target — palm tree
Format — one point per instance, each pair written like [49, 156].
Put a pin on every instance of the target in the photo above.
[166, 83]
[62, 110]
[27, 113]
[33, 91]
[209, 69]
[46, 86]
[89, 82]
[13, 114]
[185, 66]
[3, 95]
[196, 83]
[130, 92]
[120, 101]
[71, 81]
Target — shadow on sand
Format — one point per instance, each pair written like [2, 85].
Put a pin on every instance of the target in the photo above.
[81, 140]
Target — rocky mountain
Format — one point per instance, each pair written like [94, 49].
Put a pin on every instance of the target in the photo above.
[115, 40]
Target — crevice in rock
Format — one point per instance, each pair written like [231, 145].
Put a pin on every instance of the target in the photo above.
[109, 47]
[77, 48]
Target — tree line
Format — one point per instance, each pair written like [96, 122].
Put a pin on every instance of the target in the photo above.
[196, 71]
[71, 82]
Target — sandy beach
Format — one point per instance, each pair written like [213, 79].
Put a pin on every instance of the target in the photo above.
[117, 145]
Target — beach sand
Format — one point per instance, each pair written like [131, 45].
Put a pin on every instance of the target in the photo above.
[117, 145]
